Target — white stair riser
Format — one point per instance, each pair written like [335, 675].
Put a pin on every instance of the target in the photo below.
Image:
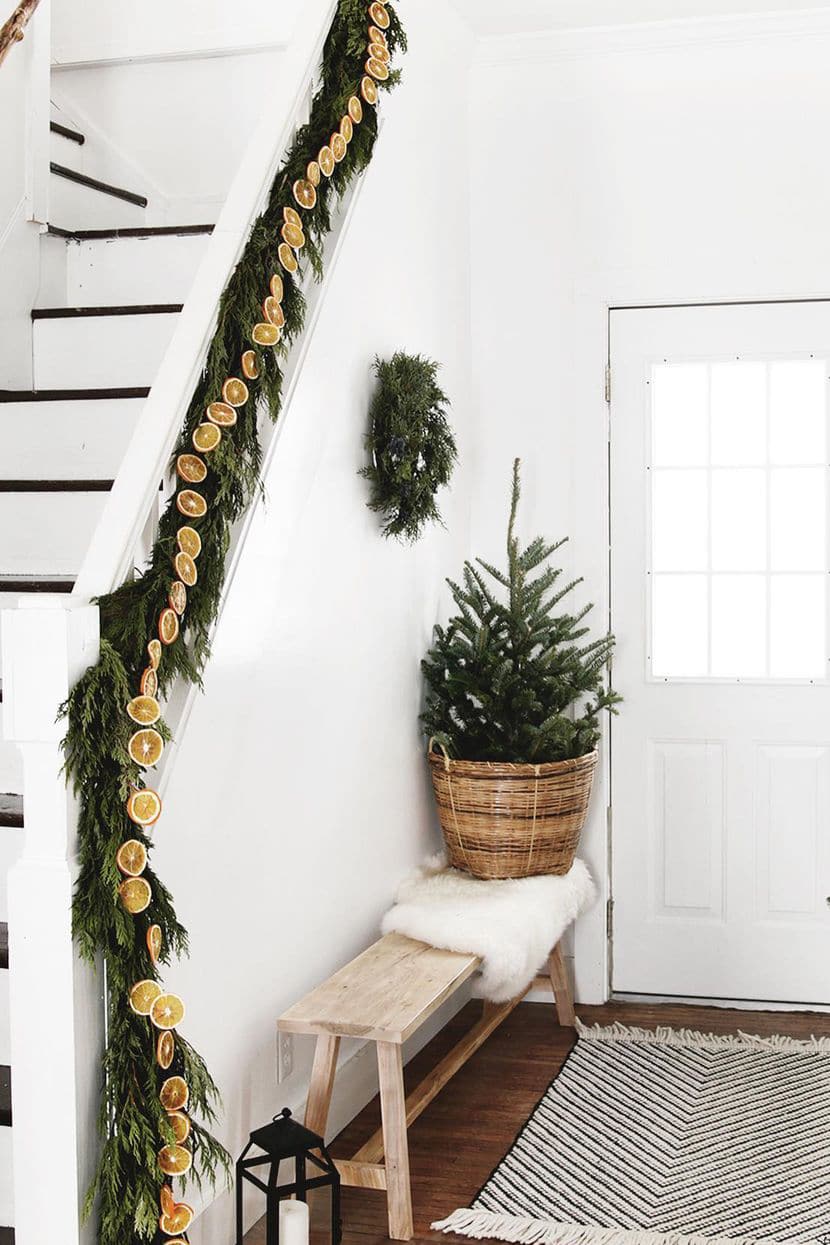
[46, 533]
[100, 351]
[105, 272]
[72, 206]
[5, 1040]
[11, 845]
[81, 440]
[11, 769]
[6, 1189]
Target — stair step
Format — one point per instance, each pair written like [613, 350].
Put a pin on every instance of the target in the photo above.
[36, 583]
[101, 349]
[50, 440]
[46, 535]
[11, 811]
[6, 1236]
[136, 309]
[65, 131]
[72, 395]
[5, 1096]
[151, 268]
[92, 183]
[56, 486]
[4, 944]
[133, 231]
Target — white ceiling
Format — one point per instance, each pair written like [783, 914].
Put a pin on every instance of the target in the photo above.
[503, 17]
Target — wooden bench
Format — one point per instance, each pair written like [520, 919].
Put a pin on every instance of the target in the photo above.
[384, 996]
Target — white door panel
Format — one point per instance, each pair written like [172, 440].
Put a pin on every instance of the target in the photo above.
[719, 597]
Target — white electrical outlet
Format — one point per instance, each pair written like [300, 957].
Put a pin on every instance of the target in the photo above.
[285, 1056]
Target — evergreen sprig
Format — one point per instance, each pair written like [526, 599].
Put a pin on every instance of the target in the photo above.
[509, 678]
[411, 444]
[133, 1123]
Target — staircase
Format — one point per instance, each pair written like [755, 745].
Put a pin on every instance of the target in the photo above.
[120, 326]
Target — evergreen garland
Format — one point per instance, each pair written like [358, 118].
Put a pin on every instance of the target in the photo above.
[411, 444]
[133, 1123]
[514, 680]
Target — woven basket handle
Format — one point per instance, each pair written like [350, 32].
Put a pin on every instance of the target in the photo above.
[431, 748]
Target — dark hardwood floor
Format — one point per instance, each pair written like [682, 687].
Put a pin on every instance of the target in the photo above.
[464, 1133]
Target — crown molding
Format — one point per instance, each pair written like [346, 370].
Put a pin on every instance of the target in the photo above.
[550, 46]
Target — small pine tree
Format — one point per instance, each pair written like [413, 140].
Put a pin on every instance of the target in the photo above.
[514, 681]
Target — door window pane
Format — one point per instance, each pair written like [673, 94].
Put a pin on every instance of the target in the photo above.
[739, 549]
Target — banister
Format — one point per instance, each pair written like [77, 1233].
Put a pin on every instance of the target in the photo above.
[109, 559]
[13, 30]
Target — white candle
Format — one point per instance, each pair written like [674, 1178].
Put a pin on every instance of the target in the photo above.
[293, 1223]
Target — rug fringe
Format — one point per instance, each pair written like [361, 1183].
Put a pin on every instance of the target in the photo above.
[665, 1036]
[483, 1224]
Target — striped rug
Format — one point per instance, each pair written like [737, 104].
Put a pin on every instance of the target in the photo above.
[669, 1138]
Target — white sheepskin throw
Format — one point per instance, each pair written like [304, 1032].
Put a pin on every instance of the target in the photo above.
[511, 924]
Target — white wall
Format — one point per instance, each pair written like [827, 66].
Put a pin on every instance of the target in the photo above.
[666, 164]
[300, 795]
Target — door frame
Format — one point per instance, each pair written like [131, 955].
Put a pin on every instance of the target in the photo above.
[594, 300]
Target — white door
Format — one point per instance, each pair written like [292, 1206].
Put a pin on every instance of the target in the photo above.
[719, 599]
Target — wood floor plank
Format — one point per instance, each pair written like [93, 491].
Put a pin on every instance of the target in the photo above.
[468, 1128]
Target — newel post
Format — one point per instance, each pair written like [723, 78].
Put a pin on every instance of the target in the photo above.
[56, 1002]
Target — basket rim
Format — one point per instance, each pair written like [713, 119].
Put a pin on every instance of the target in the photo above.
[516, 769]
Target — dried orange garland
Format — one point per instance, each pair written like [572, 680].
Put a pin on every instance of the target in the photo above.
[147, 998]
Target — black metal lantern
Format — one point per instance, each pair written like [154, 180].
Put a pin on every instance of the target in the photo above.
[283, 1139]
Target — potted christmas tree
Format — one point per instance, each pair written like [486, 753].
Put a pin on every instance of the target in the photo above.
[515, 690]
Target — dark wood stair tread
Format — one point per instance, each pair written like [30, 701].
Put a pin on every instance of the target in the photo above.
[66, 131]
[138, 309]
[6, 1236]
[92, 183]
[36, 583]
[70, 395]
[132, 231]
[11, 811]
[4, 944]
[5, 1095]
[56, 486]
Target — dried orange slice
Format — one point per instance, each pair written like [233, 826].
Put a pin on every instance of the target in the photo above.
[377, 69]
[166, 1200]
[154, 653]
[189, 541]
[206, 438]
[154, 943]
[304, 193]
[168, 1011]
[180, 1124]
[250, 365]
[191, 468]
[177, 596]
[379, 15]
[144, 710]
[326, 161]
[145, 747]
[338, 146]
[346, 128]
[177, 1220]
[273, 312]
[135, 895]
[276, 287]
[312, 172]
[268, 334]
[221, 413]
[131, 858]
[174, 1093]
[355, 110]
[144, 807]
[165, 1049]
[369, 90]
[168, 626]
[376, 35]
[291, 217]
[235, 391]
[174, 1160]
[191, 503]
[287, 257]
[186, 569]
[379, 52]
[143, 995]
[149, 682]
[293, 236]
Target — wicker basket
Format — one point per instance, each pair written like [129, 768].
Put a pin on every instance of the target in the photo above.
[504, 820]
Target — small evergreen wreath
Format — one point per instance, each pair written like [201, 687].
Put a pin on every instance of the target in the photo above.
[411, 443]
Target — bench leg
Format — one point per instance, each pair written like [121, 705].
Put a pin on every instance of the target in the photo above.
[322, 1083]
[395, 1145]
[562, 993]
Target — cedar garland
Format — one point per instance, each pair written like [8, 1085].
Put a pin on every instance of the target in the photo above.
[129, 1182]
